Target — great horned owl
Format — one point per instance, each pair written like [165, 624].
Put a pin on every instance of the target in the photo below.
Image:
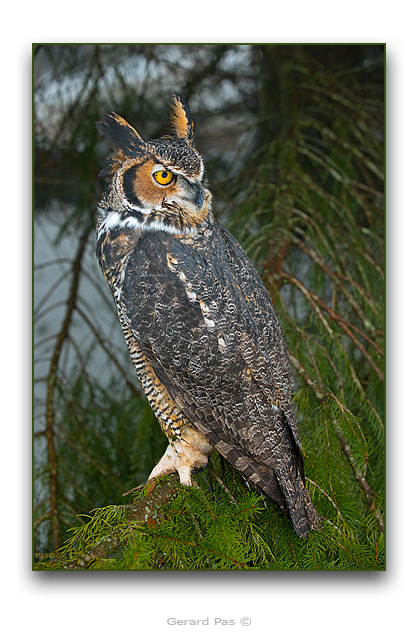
[197, 319]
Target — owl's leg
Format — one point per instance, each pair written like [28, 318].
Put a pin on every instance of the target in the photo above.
[188, 454]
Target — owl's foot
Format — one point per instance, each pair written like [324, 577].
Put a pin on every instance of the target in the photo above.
[184, 456]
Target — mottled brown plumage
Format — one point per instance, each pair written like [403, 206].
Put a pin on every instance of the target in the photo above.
[197, 319]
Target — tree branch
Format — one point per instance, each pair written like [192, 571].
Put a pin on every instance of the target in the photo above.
[51, 384]
[367, 490]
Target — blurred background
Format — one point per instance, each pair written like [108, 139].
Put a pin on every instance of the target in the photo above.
[293, 141]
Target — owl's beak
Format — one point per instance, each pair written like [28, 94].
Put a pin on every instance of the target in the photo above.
[199, 197]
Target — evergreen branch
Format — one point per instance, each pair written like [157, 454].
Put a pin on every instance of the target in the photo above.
[79, 448]
[364, 395]
[309, 381]
[329, 453]
[337, 173]
[348, 552]
[320, 394]
[374, 264]
[315, 302]
[351, 148]
[333, 249]
[308, 338]
[367, 490]
[204, 546]
[143, 511]
[147, 513]
[348, 415]
[314, 363]
[331, 202]
[318, 391]
[338, 279]
[222, 484]
[316, 485]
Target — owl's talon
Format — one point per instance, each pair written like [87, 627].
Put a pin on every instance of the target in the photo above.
[184, 457]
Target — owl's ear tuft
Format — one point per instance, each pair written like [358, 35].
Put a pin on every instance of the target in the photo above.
[181, 119]
[120, 135]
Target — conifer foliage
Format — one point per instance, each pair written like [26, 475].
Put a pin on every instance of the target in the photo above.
[293, 142]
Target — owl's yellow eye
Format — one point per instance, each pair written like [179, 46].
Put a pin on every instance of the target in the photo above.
[163, 177]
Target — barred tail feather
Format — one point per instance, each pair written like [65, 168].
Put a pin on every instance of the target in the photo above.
[285, 486]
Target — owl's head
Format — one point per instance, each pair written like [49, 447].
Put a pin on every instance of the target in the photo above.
[159, 182]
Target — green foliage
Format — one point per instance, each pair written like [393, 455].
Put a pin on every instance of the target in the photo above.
[106, 443]
[297, 165]
[315, 200]
[219, 525]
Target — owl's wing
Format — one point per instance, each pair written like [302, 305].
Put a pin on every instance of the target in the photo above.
[208, 329]
[267, 326]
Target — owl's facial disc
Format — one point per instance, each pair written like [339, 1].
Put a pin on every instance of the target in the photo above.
[186, 193]
[155, 186]
[179, 190]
